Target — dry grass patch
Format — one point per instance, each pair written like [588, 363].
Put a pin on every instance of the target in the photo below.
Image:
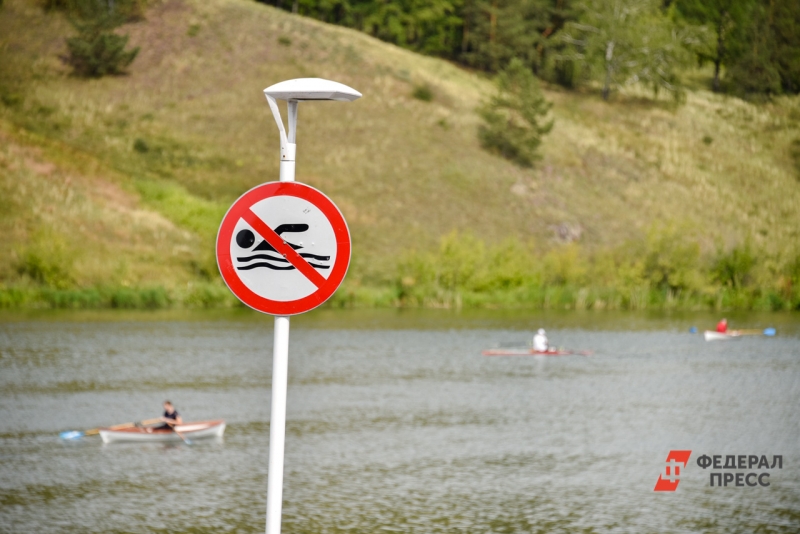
[82, 222]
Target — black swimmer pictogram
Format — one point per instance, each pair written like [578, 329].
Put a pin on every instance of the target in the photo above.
[246, 239]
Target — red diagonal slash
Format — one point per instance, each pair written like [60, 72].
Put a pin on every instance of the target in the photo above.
[282, 248]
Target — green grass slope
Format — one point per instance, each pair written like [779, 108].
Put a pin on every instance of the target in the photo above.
[162, 152]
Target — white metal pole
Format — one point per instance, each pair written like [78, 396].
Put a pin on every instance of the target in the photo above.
[287, 163]
[280, 349]
[277, 424]
[288, 146]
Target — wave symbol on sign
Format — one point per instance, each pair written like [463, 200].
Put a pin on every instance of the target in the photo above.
[246, 239]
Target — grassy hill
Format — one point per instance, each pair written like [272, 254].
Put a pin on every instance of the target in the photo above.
[121, 182]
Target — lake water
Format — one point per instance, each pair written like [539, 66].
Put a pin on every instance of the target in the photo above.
[396, 423]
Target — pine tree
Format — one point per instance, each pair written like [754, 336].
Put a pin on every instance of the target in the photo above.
[482, 33]
[428, 26]
[514, 118]
[96, 50]
[497, 30]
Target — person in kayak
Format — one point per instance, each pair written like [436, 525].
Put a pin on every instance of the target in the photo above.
[540, 343]
[722, 326]
[170, 419]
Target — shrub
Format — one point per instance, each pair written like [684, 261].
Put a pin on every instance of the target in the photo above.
[672, 259]
[514, 118]
[791, 282]
[44, 270]
[124, 298]
[423, 92]
[154, 298]
[141, 146]
[733, 269]
[72, 298]
[795, 152]
[207, 295]
[46, 261]
[564, 266]
[97, 51]
[134, 298]
[15, 297]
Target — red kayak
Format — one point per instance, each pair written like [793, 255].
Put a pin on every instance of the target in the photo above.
[531, 352]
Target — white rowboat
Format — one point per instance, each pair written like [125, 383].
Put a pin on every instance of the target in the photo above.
[192, 431]
[710, 335]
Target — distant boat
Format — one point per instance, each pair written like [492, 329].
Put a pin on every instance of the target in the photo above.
[530, 352]
[196, 430]
[711, 335]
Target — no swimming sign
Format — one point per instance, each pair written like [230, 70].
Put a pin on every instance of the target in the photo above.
[283, 248]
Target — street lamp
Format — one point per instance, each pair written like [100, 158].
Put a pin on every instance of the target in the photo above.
[294, 92]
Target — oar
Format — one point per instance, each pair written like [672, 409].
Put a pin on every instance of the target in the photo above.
[75, 434]
[184, 438]
[756, 332]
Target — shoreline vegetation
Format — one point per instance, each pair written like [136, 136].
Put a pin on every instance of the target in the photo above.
[210, 296]
[666, 271]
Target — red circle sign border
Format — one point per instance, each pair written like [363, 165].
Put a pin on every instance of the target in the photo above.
[276, 307]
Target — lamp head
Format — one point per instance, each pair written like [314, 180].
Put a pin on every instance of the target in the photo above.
[301, 89]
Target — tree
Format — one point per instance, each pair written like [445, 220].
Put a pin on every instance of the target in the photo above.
[765, 53]
[428, 26]
[514, 118]
[723, 17]
[758, 41]
[482, 33]
[504, 29]
[785, 22]
[96, 50]
[497, 30]
[627, 41]
[752, 69]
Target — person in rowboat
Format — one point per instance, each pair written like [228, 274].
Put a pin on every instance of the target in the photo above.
[722, 326]
[170, 419]
[540, 342]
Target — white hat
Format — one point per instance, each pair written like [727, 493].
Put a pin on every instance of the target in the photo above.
[541, 332]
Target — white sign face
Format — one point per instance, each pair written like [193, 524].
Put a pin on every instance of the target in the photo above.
[303, 227]
[283, 248]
